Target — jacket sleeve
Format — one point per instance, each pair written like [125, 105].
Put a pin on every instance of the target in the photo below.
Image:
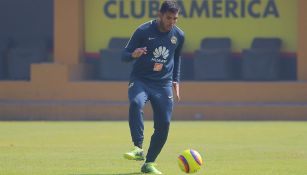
[134, 42]
[177, 61]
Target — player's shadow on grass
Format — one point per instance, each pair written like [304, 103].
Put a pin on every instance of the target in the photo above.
[113, 174]
[123, 174]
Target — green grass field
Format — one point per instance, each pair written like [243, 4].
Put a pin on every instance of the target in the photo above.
[96, 148]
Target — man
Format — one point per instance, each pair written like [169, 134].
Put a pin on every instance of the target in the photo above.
[155, 47]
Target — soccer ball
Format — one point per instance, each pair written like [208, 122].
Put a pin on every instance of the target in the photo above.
[190, 161]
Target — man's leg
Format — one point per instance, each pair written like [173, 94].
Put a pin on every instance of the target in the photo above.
[162, 104]
[137, 98]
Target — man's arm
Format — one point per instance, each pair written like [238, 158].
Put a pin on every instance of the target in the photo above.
[176, 71]
[133, 49]
[177, 61]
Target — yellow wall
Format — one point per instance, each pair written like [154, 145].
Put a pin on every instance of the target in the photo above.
[69, 14]
[99, 28]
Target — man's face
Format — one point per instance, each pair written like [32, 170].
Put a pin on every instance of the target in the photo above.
[168, 20]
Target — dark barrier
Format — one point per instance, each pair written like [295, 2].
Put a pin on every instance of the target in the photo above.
[213, 60]
[20, 60]
[111, 67]
[262, 61]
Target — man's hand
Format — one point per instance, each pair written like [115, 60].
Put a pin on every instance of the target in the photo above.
[177, 93]
[138, 52]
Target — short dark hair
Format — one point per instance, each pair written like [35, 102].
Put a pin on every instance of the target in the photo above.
[169, 6]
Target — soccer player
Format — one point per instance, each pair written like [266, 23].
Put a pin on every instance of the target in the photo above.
[155, 47]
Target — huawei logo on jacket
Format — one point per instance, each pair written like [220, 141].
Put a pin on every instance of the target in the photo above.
[160, 55]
